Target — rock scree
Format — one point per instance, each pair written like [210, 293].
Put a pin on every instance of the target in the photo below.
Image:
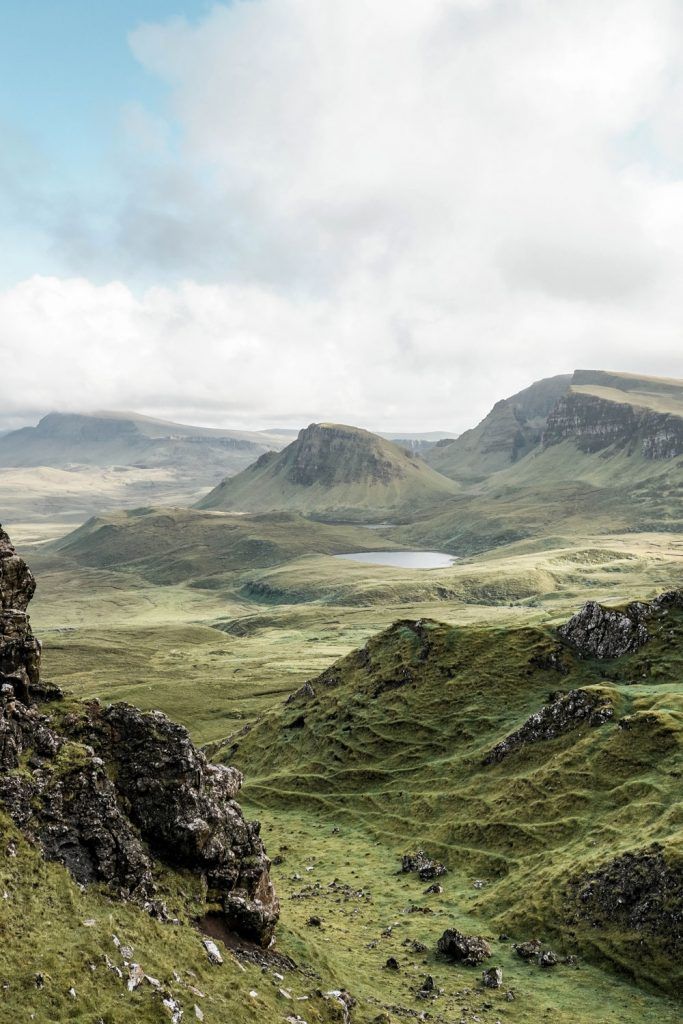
[106, 791]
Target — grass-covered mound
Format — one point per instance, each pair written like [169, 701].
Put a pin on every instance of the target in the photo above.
[397, 737]
[167, 545]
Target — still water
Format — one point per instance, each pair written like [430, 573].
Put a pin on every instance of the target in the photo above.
[403, 559]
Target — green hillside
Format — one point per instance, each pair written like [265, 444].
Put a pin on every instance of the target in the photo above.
[334, 472]
[512, 429]
[401, 739]
[170, 545]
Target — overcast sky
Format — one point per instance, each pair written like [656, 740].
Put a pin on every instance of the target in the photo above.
[382, 212]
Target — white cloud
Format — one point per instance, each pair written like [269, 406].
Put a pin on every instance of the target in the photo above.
[390, 213]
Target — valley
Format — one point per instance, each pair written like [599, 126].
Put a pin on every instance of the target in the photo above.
[216, 608]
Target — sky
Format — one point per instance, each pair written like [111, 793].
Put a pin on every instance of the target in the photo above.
[269, 212]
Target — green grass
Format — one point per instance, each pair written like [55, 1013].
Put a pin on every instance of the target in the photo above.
[404, 762]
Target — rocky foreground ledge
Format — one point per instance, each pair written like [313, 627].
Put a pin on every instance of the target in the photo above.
[107, 791]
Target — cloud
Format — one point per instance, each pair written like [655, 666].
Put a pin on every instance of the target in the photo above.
[386, 213]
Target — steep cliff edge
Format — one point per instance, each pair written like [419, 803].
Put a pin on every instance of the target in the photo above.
[635, 415]
[109, 791]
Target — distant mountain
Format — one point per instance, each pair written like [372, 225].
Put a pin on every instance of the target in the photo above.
[128, 439]
[608, 459]
[334, 471]
[508, 433]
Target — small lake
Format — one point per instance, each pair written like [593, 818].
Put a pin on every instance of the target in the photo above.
[403, 559]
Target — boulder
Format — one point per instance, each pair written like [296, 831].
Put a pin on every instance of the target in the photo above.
[425, 867]
[470, 950]
[492, 977]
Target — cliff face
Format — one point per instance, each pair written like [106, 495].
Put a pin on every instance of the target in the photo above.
[108, 791]
[597, 416]
[511, 429]
[329, 454]
[19, 650]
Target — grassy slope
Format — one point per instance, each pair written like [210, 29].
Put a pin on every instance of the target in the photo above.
[50, 926]
[170, 545]
[557, 492]
[405, 764]
[261, 633]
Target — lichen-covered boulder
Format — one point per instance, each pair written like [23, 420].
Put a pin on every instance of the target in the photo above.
[470, 950]
[598, 632]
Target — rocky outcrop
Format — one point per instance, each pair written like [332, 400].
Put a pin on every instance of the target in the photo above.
[107, 790]
[595, 423]
[19, 650]
[639, 892]
[423, 865]
[565, 713]
[599, 632]
[470, 950]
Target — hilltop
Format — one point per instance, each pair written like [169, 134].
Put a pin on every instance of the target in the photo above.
[108, 439]
[336, 472]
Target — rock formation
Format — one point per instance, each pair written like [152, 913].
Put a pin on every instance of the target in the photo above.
[599, 632]
[107, 790]
[639, 892]
[614, 417]
[470, 950]
[564, 714]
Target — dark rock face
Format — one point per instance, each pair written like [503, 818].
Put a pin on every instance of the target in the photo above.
[425, 867]
[595, 423]
[104, 791]
[327, 454]
[470, 950]
[19, 650]
[639, 892]
[566, 713]
[599, 632]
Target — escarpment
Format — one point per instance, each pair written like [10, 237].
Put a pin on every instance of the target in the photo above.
[596, 423]
[109, 791]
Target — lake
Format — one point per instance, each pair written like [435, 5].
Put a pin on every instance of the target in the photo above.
[403, 559]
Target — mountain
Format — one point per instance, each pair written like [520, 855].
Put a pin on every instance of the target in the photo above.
[334, 471]
[609, 460]
[129, 439]
[72, 466]
[512, 429]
